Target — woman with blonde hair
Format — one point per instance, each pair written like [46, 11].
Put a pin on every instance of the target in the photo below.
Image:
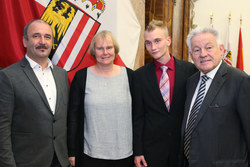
[100, 109]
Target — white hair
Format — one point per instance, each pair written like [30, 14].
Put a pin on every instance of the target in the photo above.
[198, 31]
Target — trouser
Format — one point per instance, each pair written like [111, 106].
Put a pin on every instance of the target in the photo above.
[90, 162]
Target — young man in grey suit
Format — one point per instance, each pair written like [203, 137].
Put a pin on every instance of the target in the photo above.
[157, 120]
[216, 127]
[33, 105]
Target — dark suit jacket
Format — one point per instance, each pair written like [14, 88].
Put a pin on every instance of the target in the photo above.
[76, 114]
[221, 136]
[157, 131]
[30, 133]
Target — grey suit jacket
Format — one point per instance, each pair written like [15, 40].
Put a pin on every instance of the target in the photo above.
[221, 135]
[30, 133]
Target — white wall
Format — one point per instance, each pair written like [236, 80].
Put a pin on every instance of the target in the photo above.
[221, 10]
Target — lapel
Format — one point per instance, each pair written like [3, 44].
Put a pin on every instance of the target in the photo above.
[151, 75]
[177, 83]
[192, 84]
[213, 90]
[33, 79]
[152, 79]
[59, 93]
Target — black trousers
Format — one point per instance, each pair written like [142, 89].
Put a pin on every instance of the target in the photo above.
[186, 164]
[91, 162]
[55, 162]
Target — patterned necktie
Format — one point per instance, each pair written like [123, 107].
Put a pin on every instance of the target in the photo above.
[165, 86]
[193, 115]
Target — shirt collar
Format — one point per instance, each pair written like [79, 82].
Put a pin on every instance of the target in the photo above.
[212, 73]
[34, 64]
[169, 64]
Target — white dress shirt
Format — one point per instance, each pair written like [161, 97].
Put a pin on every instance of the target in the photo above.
[210, 75]
[46, 80]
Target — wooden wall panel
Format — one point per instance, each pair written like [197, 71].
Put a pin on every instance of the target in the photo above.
[186, 29]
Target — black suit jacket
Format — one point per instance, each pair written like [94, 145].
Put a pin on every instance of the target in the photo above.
[221, 135]
[157, 131]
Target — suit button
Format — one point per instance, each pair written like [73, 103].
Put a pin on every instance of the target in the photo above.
[54, 120]
[54, 137]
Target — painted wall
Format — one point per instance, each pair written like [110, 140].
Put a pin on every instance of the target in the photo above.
[221, 9]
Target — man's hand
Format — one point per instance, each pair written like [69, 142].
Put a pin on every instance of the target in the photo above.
[140, 161]
[72, 161]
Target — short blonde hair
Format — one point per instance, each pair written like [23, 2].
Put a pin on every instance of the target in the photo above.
[157, 24]
[103, 35]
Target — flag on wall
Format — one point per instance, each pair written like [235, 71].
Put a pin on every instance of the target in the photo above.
[228, 53]
[240, 62]
[74, 23]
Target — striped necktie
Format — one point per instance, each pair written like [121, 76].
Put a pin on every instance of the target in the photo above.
[165, 86]
[193, 115]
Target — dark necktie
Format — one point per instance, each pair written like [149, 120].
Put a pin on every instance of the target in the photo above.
[193, 114]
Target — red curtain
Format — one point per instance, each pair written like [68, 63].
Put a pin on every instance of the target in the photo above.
[14, 16]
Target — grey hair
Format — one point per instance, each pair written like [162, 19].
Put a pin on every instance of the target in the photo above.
[198, 31]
